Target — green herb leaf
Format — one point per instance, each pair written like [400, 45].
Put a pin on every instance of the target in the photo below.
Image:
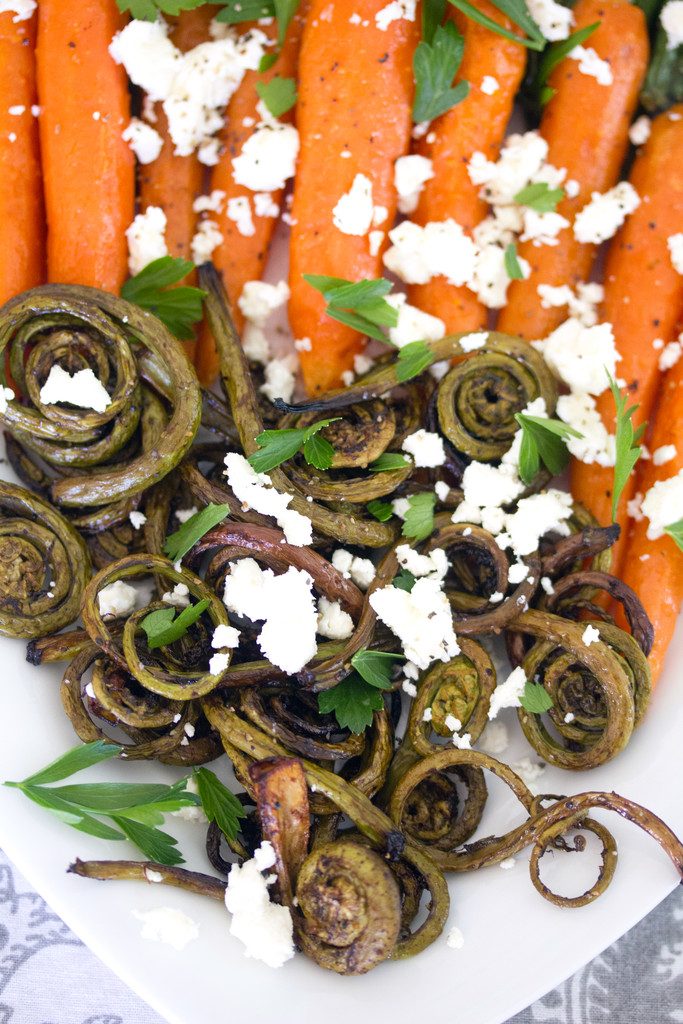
[413, 359]
[375, 666]
[388, 461]
[517, 12]
[179, 308]
[236, 11]
[220, 805]
[277, 446]
[79, 820]
[543, 440]
[419, 518]
[163, 629]
[675, 531]
[358, 304]
[535, 699]
[404, 581]
[193, 529]
[513, 268]
[627, 449]
[75, 760]
[353, 702]
[539, 196]
[279, 94]
[284, 12]
[149, 10]
[435, 65]
[103, 797]
[555, 53]
[155, 844]
[664, 80]
[433, 12]
[381, 510]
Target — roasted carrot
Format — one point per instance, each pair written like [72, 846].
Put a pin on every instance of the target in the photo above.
[88, 169]
[22, 222]
[239, 257]
[654, 568]
[478, 123]
[355, 97]
[643, 299]
[586, 127]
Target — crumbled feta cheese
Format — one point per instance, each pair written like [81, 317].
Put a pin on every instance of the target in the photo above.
[179, 597]
[671, 353]
[360, 570]
[542, 228]
[534, 517]
[579, 410]
[554, 20]
[508, 863]
[639, 132]
[239, 212]
[494, 739]
[265, 928]
[400, 507]
[146, 239]
[663, 504]
[529, 771]
[591, 64]
[520, 161]
[207, 237]
[455, 938]
[6, 395]
[255, 491]
[426, 714]
[434, 565]
[268, 157]
[333, 622]
[83, 389]
[353, 212]
[569, 717]
[211, 203]
[145, 142]
[421, 619]
[117, 599]
[675, 246]
[442, 490]
[265, 205]
[633, 507]
[279, 378]
[413, 324]
[21, 9]
[671, 18]
[259, 299]
[582, 304]
[410, 174]
[137, 519]
[183, 514]
[225, 636]
[17, 110]
[218, 663]
[581, 356]
[394, 11]
[517, 572]
[605, 213]
[489, 85]
[303, 344]
[484, 484]
[418, 253]
[665, 453]
[490, 278]
[590, 635]
[167, 925]
[375, 241]
[547, 585]
[508, 693]
[426, 448]
[284, 602]
[473, 341]
[153, 876]
[452, 723]
[496, 597]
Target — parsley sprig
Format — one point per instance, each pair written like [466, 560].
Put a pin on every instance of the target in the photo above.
[552, 56]
[353, 703]
[413, 359]
[149, 10]
[179, 308]
[543, 441]
[218, 803]
[627, 448]
[418, 523]
[279, 94]
[517, 11]
[675, 531]
[388, 461]
[435, 64]
[277, 446]
[539, 196]
[380, 510]
[375, 666]
[164, 626]
[193, 529]
[513, 267]
[535, 699]
[360, 304]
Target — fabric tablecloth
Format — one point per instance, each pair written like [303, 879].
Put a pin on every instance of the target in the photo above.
[47, 975]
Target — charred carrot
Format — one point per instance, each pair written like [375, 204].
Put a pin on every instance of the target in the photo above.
[355, 97]
[643, 299]
[477, 123]
[241, 256]
[87, 167]
[22, 222]
[586, 127]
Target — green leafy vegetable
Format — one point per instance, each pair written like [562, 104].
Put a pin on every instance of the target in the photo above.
[219, 804]
[162, 627]
[543, 440]
[413, 359]
[279, 94]
[435, 64]
[353, 702]
[236, 11]
[277, 446]
[535, 699]
[193, 529]
[675, 531]
[513, 267]
[432, 15]
[359, 304]
[664, 80]
[381, 510]
[75, 760]
[627, 449]
[388, 461]
[375, 666]
[284, 12]
[419, 518]
[149, 10]
[179, 308]
[404, 581]
[552, 56]
[518, 13]
[539, 196]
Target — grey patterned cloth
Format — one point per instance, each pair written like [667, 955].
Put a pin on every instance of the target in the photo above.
[639, 980]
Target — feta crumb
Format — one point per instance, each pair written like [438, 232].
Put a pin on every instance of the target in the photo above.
[579, 410]
[394, 11]
[211, 203]
[663, 505]
[218, 663]
[508, 693]
[426, 714]
[153, 876]
[494, 739]
[256, 492]
[455, 938]
[206, 238]
[474, 341]
[433, 565]
[137, 519]
[117, 600]
[497, 595]
[547, 585]
[259, 299]
[554, 20]
[409, 688]
[419, 253]
[579, 356]
[179, 597]
[591, 64]
[360, 570]
[239, 212]
[279, 378]
[21, 9]
[508, 863]
[639, 132]
[517, 572]
[183, 514]
[17, 110]
[265, 928]
[268, 157]
[225, 636]
[167, 925]
[590, 635]
[426, 448]
[671, 18]
[421, 619]
[413, 324]
[375, 241]
[410, 174]
[333, 622]
[442, 490]
[633, 510]
[83, 389]
[303, 344]
[489, 85]
[144, 140]
[665, 453]
[675, 246]
[671, 353]
[6, 395]
[569, 717]
[605, 213]
[353, 212]
[146, 239]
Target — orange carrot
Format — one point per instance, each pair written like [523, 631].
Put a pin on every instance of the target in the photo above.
[87, 167]
[654, 568]
[355, 97]
[586, 127]
[643, 299]
[22, 222]
[241, 258]
[478, 123]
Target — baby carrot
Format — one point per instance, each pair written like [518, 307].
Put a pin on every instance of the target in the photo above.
[477, 123]
[354, 110]
[88, 169]
[586, 127]
[22, 222]
[643, 300]
[239, 257]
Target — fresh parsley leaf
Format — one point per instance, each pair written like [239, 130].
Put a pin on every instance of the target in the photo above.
[220, 805]
[552, 56]
[535, 699]
[148, 10]
[179, 308]
[193, 529]
[404, 581]
[543, 440]
[163, 629]
[277, 446]
[432, 15]
[375, 666]
[75, 760]
[539, 196]
[236, 11]
[413, 359]
[353, 702]
[157, 845]
[419, 518]
[381, 510]
[675, 531]
[279, 94]
[517, 12]
[435, 65]
[80, 820]
[358, 304]
[513, 268]
[627, 449]
[388, 461]
[284, 12]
